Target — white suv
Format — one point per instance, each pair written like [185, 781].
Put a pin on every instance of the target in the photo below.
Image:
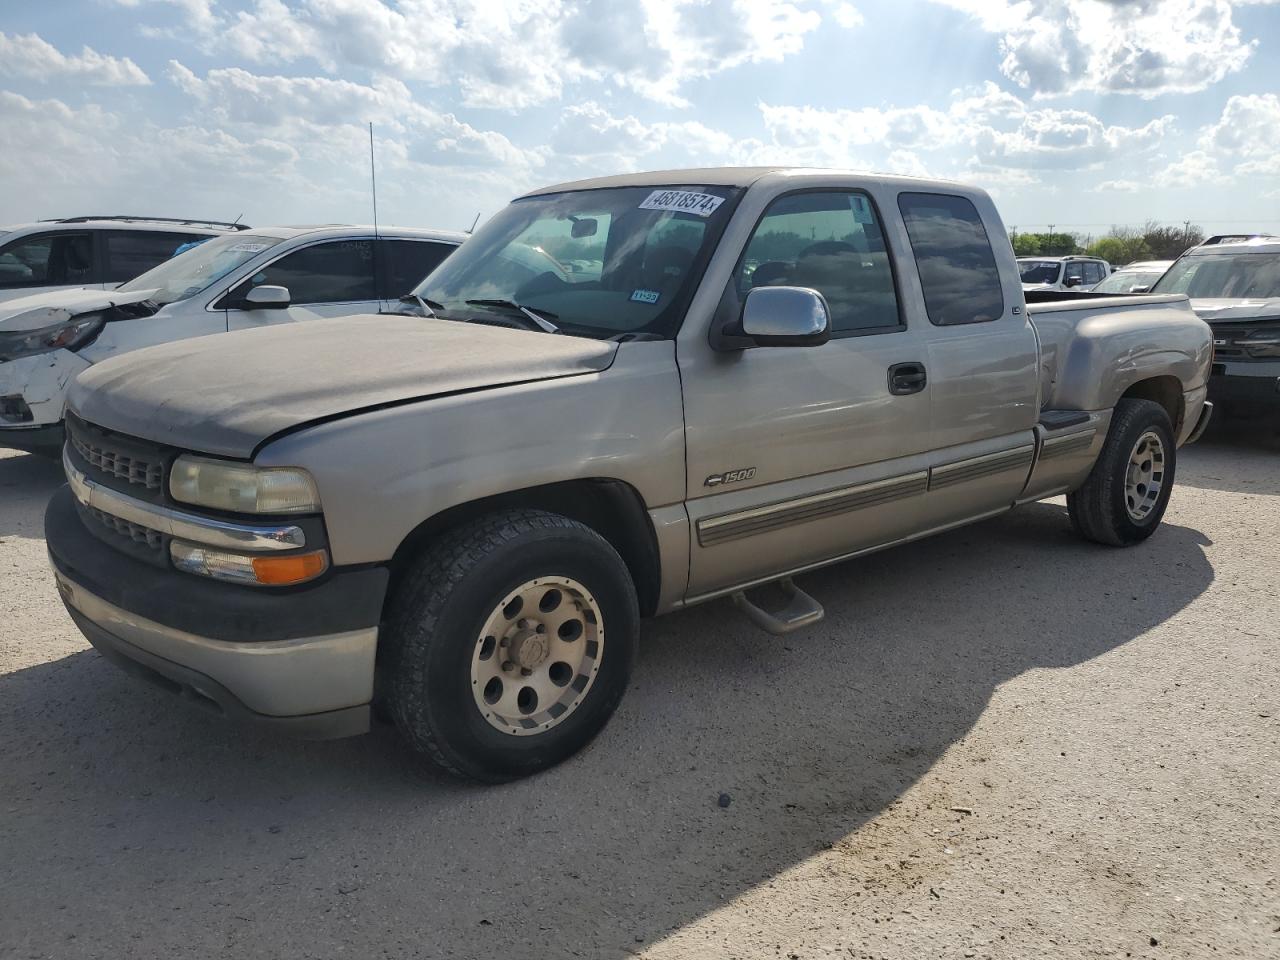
[97, 252]
[1062, 273]
[248, 279]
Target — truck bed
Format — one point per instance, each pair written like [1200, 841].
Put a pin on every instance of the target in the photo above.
[1080, 332]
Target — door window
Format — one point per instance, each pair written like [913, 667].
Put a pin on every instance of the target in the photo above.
[406, 263]
[831, 242]
[1093, 272]
[957, 268]
[1075, 271]
[135, 252]
[340, 271]
[48, 260]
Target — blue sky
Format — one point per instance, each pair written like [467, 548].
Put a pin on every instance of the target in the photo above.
[1081, 113]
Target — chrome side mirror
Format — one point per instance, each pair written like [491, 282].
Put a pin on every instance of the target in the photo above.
[786, 317]
[267, 297]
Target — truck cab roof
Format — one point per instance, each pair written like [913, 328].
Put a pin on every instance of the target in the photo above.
[742, 177]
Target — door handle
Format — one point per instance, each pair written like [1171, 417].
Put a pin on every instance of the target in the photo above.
[907, 378]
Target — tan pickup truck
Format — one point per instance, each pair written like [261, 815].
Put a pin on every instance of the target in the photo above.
[620, 397]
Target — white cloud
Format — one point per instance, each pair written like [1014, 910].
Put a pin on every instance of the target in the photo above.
[30, 56]
[1120, 186]
[1142, 47]
[309, 107]
[1249, 127]
[1002, 132]
[847, 15]
[516, 54]
[1189, 170]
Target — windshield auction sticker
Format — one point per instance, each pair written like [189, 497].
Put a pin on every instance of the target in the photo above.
[682, 201]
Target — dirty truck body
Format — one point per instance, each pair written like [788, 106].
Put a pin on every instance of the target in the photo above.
[462, 522]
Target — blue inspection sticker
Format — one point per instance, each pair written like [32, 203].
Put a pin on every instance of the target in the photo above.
[645, 296]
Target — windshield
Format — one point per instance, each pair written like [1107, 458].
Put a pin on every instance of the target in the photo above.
[194, 270]
[1039, 271]
[1225, 275]
[596, 262]
[1126, 280]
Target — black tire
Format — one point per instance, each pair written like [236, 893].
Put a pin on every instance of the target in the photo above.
[434, 620]
[1098, 509]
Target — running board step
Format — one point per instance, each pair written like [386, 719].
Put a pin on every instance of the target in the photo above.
[800, 611]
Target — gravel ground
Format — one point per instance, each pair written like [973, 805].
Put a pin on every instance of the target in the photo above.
[1001, 743]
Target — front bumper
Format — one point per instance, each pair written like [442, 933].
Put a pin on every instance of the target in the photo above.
[46, 439]
[1246, 387]
[300, 659]
[33, 390]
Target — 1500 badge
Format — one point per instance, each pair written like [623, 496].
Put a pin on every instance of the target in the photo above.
[730, 476]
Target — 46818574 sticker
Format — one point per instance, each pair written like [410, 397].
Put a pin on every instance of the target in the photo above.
[682, 201]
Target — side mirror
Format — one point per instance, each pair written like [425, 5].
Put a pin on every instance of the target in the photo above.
[1140, 288]
[267, 297]
[1073, 281]
[786, 317]
[583, 227]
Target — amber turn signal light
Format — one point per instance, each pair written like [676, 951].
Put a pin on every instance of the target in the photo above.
[294, 568]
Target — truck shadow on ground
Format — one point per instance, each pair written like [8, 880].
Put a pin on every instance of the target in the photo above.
[27, 481]
[134, 824]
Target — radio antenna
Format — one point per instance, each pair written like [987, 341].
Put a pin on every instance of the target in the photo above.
[373, 181]
[473, 223]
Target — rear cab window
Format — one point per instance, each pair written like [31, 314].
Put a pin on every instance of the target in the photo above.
[954, 259]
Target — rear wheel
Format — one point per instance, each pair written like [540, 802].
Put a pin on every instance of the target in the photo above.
[1126, 493]
[509, 644]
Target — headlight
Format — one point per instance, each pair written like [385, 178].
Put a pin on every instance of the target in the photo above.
[60, 336]
[263, 570]
[242, 487]
[1262, 345]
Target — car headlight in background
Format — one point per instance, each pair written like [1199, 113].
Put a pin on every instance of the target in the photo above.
[1262, 344]
[242, 487]
[59, 336]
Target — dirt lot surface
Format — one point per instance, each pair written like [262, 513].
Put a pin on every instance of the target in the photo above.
[1000, 743]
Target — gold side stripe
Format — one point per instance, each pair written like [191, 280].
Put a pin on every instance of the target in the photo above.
[1061, 446]
[975, 468]
[745, 523]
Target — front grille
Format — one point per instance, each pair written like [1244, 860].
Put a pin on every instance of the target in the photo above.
[117, 460]
[143, 536]
[1231, 342]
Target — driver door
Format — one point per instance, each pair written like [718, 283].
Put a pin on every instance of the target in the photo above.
[332, 278]
[800, 454]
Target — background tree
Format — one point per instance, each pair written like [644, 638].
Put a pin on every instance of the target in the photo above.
[1169, 242]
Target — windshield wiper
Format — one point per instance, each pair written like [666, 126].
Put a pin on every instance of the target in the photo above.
[540, 319]
[428, 307]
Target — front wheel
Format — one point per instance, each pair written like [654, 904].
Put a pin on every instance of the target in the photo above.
[509, 644]
[1124, 498]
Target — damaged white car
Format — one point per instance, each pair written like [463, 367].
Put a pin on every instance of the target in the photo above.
[244, 280]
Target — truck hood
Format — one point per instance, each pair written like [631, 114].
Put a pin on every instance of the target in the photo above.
[58, 306]
[227, 393]
[1236, 311]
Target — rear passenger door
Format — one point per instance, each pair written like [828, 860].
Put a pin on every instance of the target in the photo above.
[982, 357]
[403, 265]
[332, 278]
